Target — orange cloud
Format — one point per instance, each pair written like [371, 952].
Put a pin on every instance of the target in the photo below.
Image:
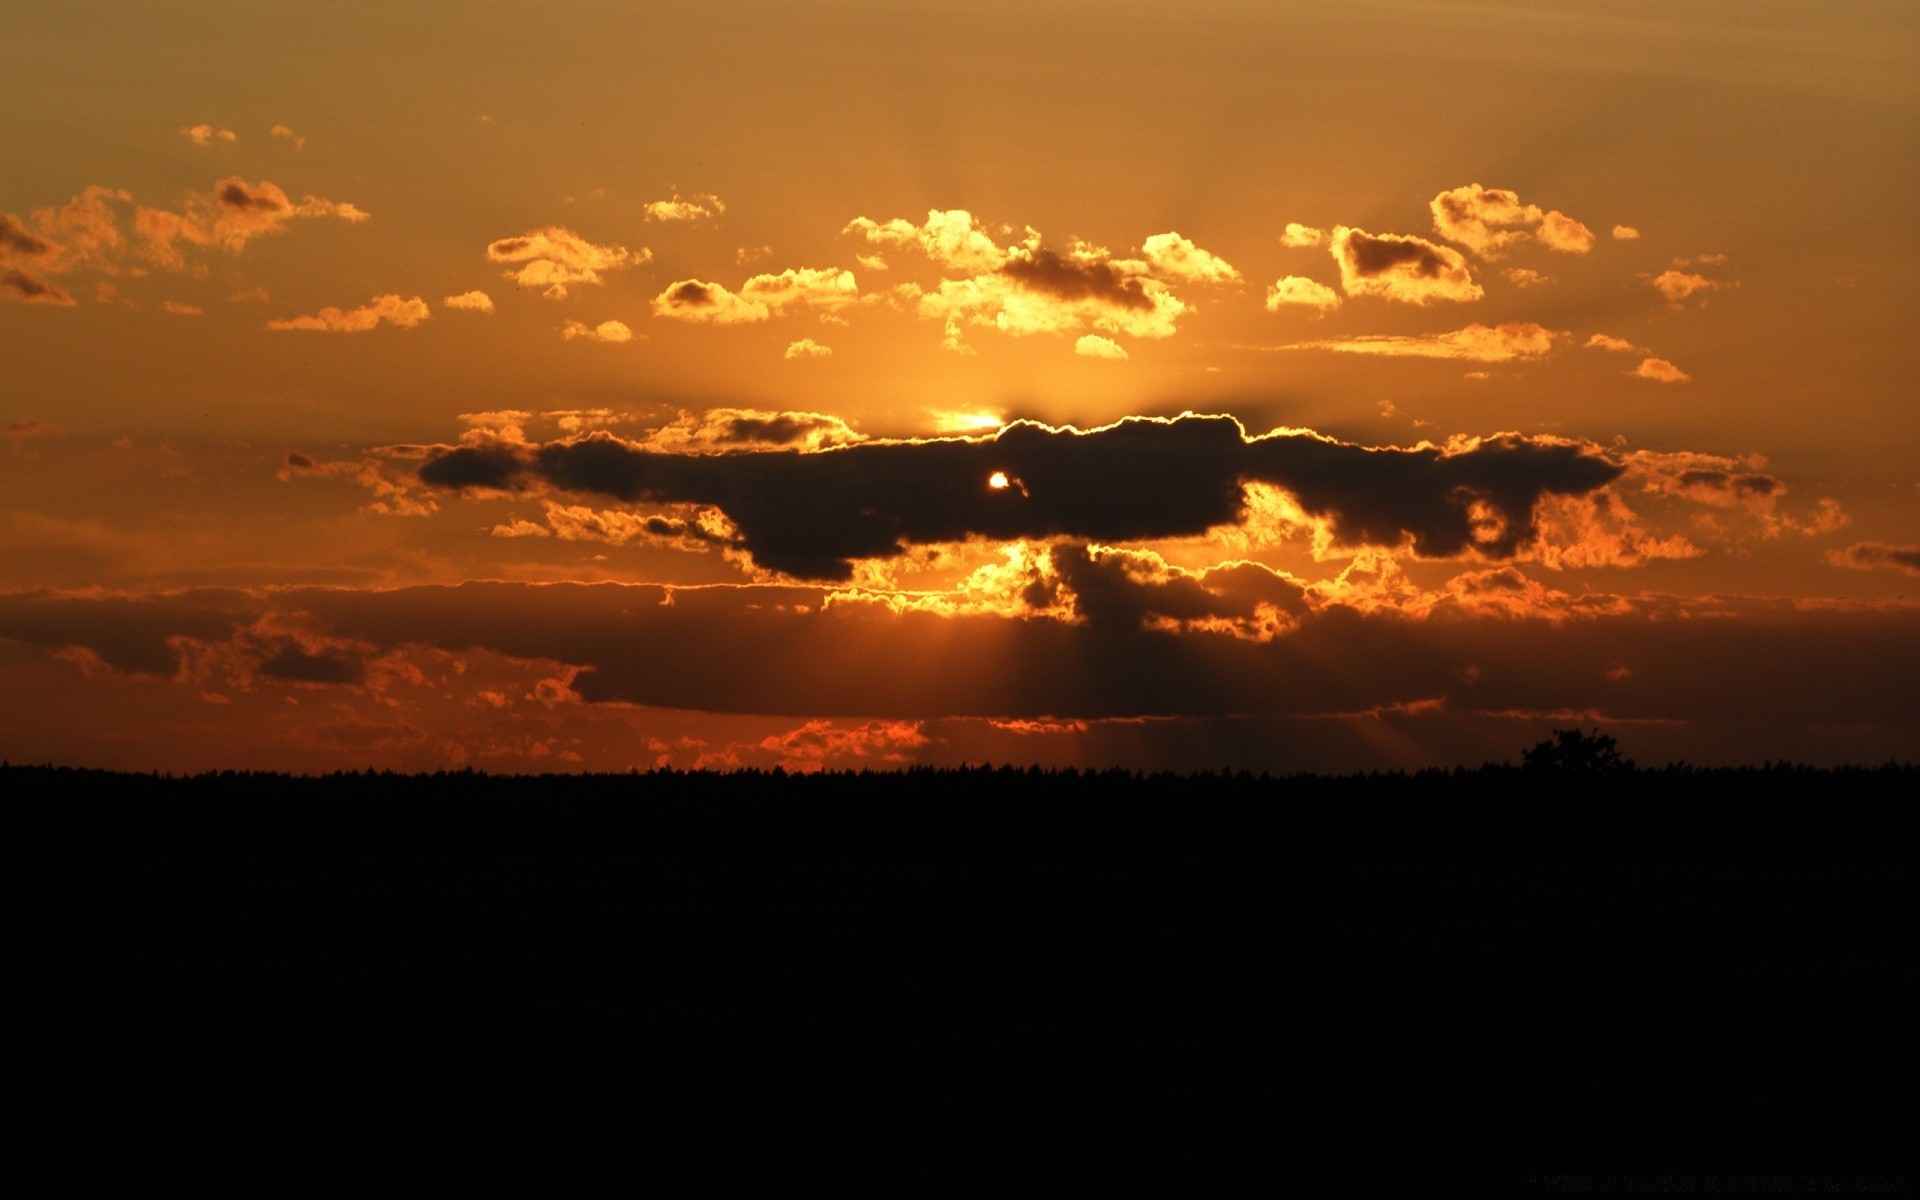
[1300, 236]
[1173, 257]
[1515, 340]
[1606, 341]
[818, 745]
[605, 331]
[722, 430]
[18, 285]
[1297, 291]
[1525, 277]
[1092, 345]
[1871, 556]
[389, 308]
[807, 348]
[1660, 371]
[554, 259]
[181, 309]
[760, 298]
[286, 133]
[228, 217]
[207, 135]
[694, 208]
[1678, 283]
[1398, 267]
[952, 238]
[1625, 233]
[709, 303]
[471, 301]
[1491, 221]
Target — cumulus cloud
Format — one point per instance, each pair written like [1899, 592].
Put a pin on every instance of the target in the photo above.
[722, 430]
[390, 308]
[1297, 291]
[207, 135]
[812, 514]
[1491, 221]
[1871, 556]
[471, 301]
[762, 297]
[952, 238]
[1399, 267]
[1300, 236]
[1515, 340]
[1092, 345]
[1606, 341]
[554, 259]
[605, 331]
[228, 217]
[1625, 233]
[1171, 256]
[690, 208]
[1680, 283]
[708, 303]
[1659, 370]
[807, 348]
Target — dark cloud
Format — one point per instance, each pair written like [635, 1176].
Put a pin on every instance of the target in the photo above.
[1074, 280]
[1730, 483]
[17, 241]
[810, 515]
[1401, 267]
[1869, 556]
[298, 461]
[779, 430]
[236, 195]
[297, 665]
[25, 287]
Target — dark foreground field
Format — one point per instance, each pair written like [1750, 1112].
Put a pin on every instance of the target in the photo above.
[1483, 983]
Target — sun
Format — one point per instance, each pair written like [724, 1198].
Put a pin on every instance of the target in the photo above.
[998, 480]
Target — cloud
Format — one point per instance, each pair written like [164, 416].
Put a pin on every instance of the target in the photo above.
[811, 515]
[1299, 236]
[1606, 341]
[1525, 277]
[693, 208]
[1625, 233]
[751, 254]
[1092, 345]
[1297, 291]
[1515, 340]
[1660, 371]
[1678, 283]
[286, 133]
[228, 217]
[17, 284]
[952, 238]
[1408, 269]
[721, 430]
[807, 348]
[760, 298]
[25, 427]
[389, 308]
[1171, 256]
[207, 135]
[180, 309]
[471, 301]
[605, 331]
[1491, 221]
[1871, 556]
[709, 303]
[554, 259]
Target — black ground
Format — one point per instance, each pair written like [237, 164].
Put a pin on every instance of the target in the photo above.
[1481, 983]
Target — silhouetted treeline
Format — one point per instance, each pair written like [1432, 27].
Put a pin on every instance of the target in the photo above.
[1557, 811]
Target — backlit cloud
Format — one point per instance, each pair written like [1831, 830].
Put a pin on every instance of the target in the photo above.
[1299, 236]
[1092, 345]
[471, 301]
[709, 303]
[1625, 233]
[689, 208]
[1297, 291]
[1515, 340]
[1680, 283]
[1606, 341]
[807, 348]
[1399, 267]
[1491, 221]
[760, 298]
[227, 218]
[1525, 277]
[1871, 556]
[286, 133]
[207, 135]
[1659, 370]
[952, 238]
[16, 284]
[1171, 256]
[390, 309]
[605, 331]
[554, 259]
[812, 514]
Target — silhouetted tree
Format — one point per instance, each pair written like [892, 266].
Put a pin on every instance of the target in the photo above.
[1571, 752]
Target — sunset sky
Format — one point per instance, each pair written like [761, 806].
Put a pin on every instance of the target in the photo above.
[1287, 386]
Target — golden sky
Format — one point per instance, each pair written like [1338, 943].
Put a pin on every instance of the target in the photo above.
[1283, 386]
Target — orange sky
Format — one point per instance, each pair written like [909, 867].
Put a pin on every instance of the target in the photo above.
[1548, 363]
